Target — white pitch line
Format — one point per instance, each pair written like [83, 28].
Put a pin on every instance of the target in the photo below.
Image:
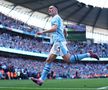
[48, 88]
[104, 88]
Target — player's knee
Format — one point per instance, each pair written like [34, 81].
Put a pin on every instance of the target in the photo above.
[66, 58]
[67, 61]
[51, 58]
[48, 60]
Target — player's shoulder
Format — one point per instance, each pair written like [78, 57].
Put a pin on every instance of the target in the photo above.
[57, 17]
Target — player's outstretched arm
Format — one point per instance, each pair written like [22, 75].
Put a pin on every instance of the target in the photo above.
[53, 29]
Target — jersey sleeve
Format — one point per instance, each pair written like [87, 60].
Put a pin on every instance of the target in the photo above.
[55, 21]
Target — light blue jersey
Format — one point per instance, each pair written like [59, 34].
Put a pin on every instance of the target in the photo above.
[58, 35]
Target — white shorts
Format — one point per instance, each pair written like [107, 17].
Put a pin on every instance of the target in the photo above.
[57, 50]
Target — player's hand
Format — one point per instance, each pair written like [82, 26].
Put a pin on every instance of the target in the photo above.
[39, 33]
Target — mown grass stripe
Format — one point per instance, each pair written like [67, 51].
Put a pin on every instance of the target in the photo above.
[46, 88]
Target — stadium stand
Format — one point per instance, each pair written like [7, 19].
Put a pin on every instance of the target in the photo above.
[23, 68]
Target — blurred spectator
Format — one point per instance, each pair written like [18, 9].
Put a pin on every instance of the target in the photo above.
[32, 68]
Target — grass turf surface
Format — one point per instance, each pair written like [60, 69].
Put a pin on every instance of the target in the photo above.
[68, 84]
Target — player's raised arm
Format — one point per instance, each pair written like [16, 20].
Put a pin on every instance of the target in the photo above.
[52, 29]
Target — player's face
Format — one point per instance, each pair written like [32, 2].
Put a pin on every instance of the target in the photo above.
[52, 11]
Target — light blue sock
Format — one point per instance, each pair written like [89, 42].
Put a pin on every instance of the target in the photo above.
[46, 71]
[78, 57]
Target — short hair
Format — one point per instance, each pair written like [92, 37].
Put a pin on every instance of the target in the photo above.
[54, 6]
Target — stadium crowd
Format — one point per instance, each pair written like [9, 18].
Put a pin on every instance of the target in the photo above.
[20, 68]
[23, 43]
[16, 24]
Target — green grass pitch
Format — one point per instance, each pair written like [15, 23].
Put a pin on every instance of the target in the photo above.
[65, 84]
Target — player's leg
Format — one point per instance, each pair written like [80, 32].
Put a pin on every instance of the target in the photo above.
[47, 66]
[72, 58]
[45, 71]
[52, 56]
